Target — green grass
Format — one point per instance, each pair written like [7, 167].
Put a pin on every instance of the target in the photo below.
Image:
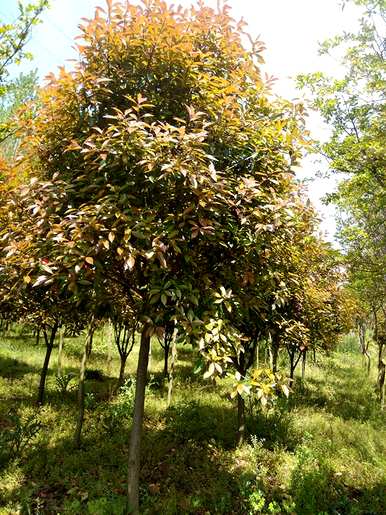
[323, 451]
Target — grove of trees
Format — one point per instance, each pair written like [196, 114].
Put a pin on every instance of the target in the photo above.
[152, 188]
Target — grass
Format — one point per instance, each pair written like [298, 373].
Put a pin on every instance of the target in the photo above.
[323, 451]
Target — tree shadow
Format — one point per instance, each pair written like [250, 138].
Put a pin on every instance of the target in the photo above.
[22, 337]
[274, 428]
[349, 395]
[184, 469]
[187, 467]
[11, 368]
[317, 488]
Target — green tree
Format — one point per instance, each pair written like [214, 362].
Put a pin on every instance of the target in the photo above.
[13, 40]
[354, 107]
[171, 165]
[19, 92]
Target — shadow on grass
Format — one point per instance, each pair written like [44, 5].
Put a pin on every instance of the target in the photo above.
[274, 428]
[184, 469]
[349, 394]
[11, 368]
[187, 468]
[22, 337]
[317, 488]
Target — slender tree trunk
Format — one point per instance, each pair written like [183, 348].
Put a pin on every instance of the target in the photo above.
[240, 420]
[60, 352]
[110, 336]
[37, 337]
[292, 366]
[362, 336]
[172, 366]
[368, 357]
[380, 352]
[293, 361]
[381, 375]
[257, 362]
[81, 388]
[379, 339]
[275, 355]
[381, 383]
[363, 346]
[241, 368]
[90, 340]
[136, 430]
[43, 375]
[304, 358]
[150, 356]
[121, 379]
[166, 361]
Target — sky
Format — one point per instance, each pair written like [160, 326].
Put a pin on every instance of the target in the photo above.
[290, 29]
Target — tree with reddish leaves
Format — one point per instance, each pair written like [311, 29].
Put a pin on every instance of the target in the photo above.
[172, 167]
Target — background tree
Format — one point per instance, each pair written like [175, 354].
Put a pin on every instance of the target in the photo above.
[20, 91]
[13, 40]
[354, 106]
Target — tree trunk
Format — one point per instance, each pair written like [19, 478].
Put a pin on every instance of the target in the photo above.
[60, 352]
[362, 336]
[368, 357]
[381, 383]
[166, 361]
[275, 355]
[257, 360]
[292, 366]
[172, 365]
[381, 375]
[37, 337]
[304, 358]
[43, 374]
[110, 336]
[240, 420]
[136, 430]
[150, 357]
[81, 388]
[121, 379]
[293, 361]
[380, 339]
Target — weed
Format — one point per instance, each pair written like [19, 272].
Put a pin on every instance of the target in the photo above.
[63, 383]
[120, 410]
[18, 435]
[323, 450]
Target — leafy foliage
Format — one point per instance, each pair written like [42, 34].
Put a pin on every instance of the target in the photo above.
[355, 108]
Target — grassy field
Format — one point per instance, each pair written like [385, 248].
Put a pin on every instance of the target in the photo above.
[321, 452]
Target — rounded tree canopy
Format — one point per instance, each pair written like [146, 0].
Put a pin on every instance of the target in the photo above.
[163, 161]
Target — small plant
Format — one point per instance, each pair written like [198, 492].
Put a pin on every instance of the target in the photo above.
[112, 505]
[18, 436]
[63, 383]
[122, 407]
[89, 401]
[315, 487]
[252, 497]
[126, 398]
